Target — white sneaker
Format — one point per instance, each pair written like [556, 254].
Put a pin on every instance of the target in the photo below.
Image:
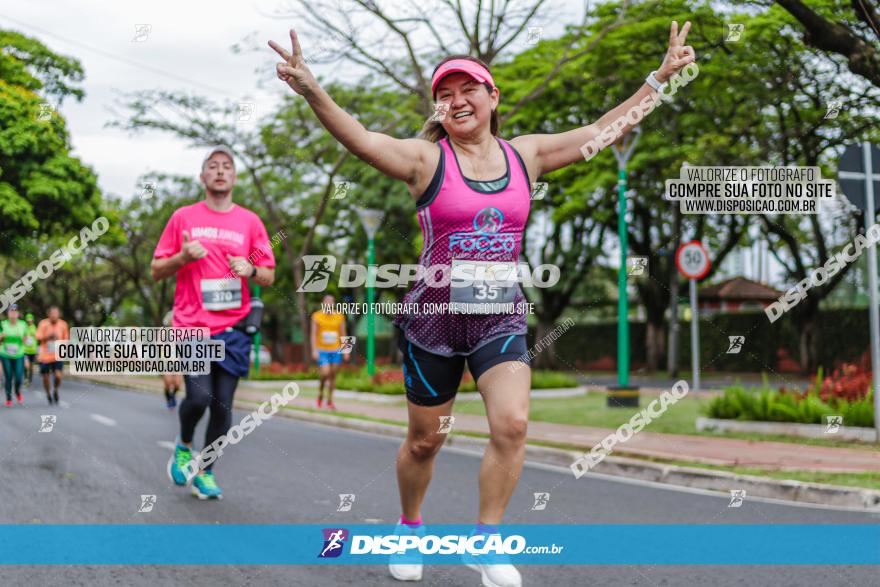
[411, 572]
[407, 567]
[498, 573]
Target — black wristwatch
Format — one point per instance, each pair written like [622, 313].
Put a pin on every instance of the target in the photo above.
[254, 272]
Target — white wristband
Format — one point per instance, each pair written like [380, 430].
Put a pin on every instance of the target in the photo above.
[653, 82]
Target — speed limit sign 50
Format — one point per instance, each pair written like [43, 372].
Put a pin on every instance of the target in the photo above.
[692, 260]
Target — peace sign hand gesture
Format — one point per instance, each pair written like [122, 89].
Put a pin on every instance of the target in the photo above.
[293, 69]
[678, 55]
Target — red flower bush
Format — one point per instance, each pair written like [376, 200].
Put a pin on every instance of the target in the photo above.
[390, 376]
[849, 382]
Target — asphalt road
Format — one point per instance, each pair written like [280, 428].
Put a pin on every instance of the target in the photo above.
[109, 446]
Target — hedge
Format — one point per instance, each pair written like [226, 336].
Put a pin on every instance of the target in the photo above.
[843, 333]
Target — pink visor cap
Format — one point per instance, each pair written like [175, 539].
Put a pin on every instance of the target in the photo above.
[473, 69]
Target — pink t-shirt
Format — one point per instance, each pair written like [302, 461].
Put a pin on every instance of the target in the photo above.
[207, 292]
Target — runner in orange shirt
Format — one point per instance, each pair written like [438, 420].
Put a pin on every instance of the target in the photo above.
[49, 331]
[328, 328]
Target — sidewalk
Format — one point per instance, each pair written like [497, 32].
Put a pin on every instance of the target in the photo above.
[769, 455]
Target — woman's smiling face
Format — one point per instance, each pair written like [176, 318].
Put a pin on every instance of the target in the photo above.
[470, 104]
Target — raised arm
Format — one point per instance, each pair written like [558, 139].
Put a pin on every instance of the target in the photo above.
[404, 159]
[544, 153]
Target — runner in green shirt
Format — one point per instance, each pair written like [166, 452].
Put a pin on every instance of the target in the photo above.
[30, 349]
[12, 334]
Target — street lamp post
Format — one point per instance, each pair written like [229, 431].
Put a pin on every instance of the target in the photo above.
[623, 394]
[371, 220]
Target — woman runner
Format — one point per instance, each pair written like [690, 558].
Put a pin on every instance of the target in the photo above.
[12, 334]
[472, 195]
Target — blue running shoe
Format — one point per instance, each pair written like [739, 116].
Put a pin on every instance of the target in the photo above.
[205, 487]
[178, 465]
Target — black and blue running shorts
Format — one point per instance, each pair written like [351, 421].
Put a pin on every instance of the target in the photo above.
[431, 380]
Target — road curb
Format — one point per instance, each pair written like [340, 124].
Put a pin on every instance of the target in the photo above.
[677, 475]
[787, 428]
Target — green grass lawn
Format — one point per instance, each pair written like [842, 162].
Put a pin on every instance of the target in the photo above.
[590, 410]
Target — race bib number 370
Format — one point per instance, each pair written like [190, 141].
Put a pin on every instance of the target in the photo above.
[221, 294]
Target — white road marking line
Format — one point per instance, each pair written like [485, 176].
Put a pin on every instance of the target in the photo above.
[615, 478]
[103, 420]
[166, 444]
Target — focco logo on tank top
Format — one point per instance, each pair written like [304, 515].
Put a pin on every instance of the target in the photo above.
[486, 238]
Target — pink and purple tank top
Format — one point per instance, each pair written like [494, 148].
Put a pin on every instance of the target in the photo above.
[468, 222]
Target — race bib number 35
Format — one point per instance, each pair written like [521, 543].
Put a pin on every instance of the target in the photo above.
[221, 294]
[482, 287]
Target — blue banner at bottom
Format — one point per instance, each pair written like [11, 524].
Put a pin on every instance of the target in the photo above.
[368, 544]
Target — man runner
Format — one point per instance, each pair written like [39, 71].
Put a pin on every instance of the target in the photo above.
[30, 349]
[328, 328]
[49, 332]
[206, 246]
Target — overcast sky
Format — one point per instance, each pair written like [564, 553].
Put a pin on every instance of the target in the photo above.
[187, 47]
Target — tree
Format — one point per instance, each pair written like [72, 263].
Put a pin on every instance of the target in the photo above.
[42, 187]
[402, 42]
[144, 217]
[797, 84]
[85, 288]
[849, 29]
[595, 82]
[287, 166]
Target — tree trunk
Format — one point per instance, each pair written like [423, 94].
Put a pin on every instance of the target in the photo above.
[655, 342]
[672, 354]
[304, 324]
[809, 342]
[674, 326]
[546, 359]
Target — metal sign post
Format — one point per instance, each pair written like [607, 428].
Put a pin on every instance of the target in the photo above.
[853, 170]
[695, 334]
[623, 394]
[692, 260]
[371, 219]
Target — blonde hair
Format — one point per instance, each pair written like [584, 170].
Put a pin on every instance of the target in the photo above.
[433, 131]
